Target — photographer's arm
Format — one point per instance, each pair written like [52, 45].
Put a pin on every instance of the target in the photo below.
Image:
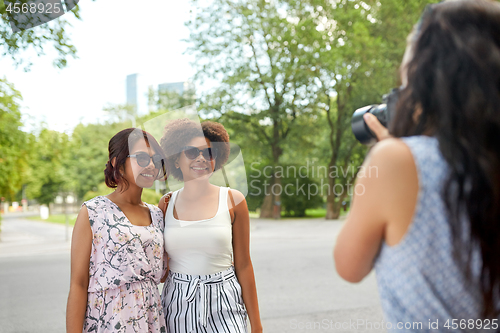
[382, 209]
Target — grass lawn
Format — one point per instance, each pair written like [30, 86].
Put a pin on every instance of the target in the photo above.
[253, 215]
[321, 212]
[60, 218]
[310, 213]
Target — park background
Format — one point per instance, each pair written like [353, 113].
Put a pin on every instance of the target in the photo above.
[283, 77]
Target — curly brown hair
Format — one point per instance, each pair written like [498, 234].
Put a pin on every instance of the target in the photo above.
[179, 132]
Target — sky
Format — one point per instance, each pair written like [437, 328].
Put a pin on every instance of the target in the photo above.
[114, 38]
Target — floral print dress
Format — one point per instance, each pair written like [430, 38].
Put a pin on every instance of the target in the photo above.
[126, 265]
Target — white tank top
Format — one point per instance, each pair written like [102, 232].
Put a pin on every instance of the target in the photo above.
[199, 247]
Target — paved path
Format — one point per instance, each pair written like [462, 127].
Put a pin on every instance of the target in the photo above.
[298, 288]
[22, 237]
[297, 284]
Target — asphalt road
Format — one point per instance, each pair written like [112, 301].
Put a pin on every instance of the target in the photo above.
[298, 288]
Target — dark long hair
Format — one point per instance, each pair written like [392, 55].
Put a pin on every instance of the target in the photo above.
[453, 92]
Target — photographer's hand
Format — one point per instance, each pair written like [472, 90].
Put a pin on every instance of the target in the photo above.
[376, 127]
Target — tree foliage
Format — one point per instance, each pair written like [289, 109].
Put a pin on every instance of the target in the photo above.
[13, 141]
[286, 77]
[279, 62]
[53, 33]
[358, 47]
[168, 100]
[256, 54]
[50, 169]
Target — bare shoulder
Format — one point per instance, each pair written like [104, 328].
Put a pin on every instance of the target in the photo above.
[393, 179]
[236, 199]
[237, 195]
[392, 156]
[237, 204]
[82, 223]
[83, 214]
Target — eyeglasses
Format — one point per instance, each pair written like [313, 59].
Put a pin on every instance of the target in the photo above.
[192, 153]
[143, 159]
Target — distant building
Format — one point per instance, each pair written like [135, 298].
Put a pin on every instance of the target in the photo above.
[139, 87]
[138, 93]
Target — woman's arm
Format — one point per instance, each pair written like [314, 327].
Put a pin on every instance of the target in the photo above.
[384, 200]
[242, 261]
[81, 245]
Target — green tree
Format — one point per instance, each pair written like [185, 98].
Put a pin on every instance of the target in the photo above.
[50, 166]
[356, 47]
[171, 100]
[90, 154]
[253, 50]
[13, 141]
[122, 113]
[278, 62]
[53, 33]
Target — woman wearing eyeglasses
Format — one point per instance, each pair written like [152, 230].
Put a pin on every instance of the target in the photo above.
[206, 230]
[117, 245]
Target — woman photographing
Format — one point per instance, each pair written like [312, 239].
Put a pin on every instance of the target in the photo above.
[429, 222]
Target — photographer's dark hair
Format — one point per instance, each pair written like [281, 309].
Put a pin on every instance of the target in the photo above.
[119, 148]
[453, 93]
[179, 132]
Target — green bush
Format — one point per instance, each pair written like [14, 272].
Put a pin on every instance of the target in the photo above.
[295, 197]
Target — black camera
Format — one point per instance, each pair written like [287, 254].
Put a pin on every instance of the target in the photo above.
[383, 112]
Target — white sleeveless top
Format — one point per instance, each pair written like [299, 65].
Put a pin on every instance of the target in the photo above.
[199, 247]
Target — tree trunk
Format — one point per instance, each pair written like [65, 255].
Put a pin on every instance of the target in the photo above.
[331, 212]
[277, 198]
[333, 208]
[266, 210]
[271, 207]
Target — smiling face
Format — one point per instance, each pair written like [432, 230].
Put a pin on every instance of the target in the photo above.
[139, 175]
[198, 168]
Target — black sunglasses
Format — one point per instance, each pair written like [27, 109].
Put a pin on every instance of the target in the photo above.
[192, 153]
[143, 159]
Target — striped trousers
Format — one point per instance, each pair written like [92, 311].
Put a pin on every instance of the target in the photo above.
[204, 303]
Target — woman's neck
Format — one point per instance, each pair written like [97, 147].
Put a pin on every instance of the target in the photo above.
[196, 189]
[131, 196]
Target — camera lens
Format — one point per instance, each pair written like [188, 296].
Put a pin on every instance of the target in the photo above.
[383, 113]
[359, 127]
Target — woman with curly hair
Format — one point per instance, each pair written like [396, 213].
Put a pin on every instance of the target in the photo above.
[207, 229]
[430, 221]
[117, 245]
